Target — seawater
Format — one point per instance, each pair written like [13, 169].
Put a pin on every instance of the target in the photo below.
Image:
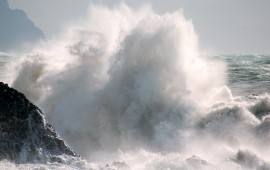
[247, 74]
[131, 91]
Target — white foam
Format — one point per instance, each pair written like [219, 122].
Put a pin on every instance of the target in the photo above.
[133, 81]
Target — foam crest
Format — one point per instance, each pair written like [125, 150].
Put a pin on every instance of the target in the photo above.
[133, 73]
[125, 79]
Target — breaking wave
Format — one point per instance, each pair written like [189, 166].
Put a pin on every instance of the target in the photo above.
[129, 89]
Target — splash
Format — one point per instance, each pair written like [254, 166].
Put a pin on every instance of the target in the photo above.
[133, 85]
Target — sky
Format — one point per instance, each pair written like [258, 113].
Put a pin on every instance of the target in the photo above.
[224, 26]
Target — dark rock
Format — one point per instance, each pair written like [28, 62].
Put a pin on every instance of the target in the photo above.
[249, 160]
[261, 109]
[25, 135]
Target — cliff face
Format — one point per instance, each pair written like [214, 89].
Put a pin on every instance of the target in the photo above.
[16, 29]
[25, 135]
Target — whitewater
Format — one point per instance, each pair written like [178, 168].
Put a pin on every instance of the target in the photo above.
[129, 89]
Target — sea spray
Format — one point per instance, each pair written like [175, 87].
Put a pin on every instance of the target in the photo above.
[121, 81]
[125, 85]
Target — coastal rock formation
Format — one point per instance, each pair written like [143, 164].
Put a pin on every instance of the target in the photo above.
[17, 30]
[251, 161]
[25, 135]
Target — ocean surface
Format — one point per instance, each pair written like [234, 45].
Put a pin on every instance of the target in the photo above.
[131, 91]
[248, 74]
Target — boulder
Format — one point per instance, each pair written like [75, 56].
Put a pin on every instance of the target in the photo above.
[25, 135]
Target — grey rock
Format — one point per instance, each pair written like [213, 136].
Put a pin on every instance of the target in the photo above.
[16, 29]
[249, 160]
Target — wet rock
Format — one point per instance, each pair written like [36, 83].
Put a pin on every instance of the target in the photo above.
[249, 160]
[25, 135]
[261, 109]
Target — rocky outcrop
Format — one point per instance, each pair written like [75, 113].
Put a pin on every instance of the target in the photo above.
[249, 160]
[16, 30]
[25, 135]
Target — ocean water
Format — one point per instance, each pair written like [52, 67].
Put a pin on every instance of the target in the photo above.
[131, 91]
[248, 74]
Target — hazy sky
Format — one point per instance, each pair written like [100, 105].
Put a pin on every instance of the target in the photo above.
[223, 26]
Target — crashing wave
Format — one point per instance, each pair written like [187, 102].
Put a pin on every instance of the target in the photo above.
[139, 95]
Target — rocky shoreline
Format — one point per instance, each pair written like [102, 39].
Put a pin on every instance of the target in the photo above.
[25, 135]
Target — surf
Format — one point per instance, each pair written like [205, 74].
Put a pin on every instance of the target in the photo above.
[129, 88]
